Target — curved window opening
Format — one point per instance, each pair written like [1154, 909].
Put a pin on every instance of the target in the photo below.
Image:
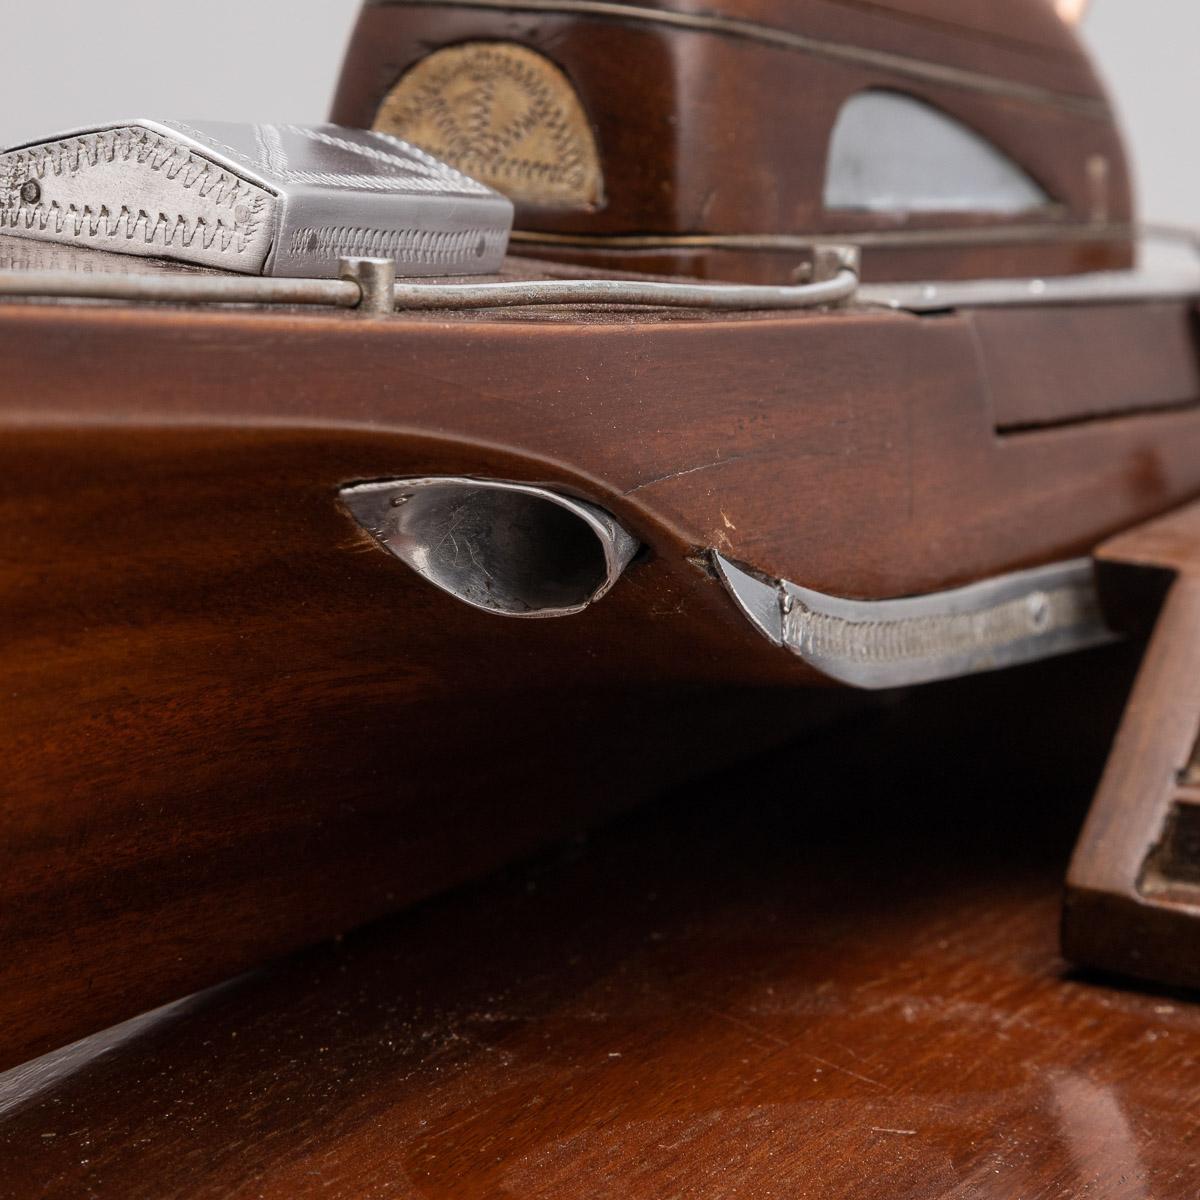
[893, 153]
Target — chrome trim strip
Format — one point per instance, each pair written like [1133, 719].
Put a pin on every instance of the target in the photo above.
[1104, 287]
[761, 603]
[874, 644]
[1072, 232]
[900, 64]
[180, 289]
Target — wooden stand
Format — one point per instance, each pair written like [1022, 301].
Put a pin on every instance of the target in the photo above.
[1133, 893]
[831, 974]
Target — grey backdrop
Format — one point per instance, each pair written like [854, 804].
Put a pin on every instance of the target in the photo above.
[75, 61]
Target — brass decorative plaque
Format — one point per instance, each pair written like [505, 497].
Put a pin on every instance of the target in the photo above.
[505, 115]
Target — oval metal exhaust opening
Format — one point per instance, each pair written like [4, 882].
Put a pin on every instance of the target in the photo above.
[511, 549]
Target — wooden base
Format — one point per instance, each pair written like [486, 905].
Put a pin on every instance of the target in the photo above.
[1133, 894]
[830, 975]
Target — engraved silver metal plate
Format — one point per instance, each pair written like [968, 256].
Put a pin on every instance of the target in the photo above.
[1000, 622]
[258, 199]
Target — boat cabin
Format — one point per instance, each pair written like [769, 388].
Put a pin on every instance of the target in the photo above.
[948, 139]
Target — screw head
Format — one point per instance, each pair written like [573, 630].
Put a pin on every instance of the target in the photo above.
[31, 191]
[1038, 606]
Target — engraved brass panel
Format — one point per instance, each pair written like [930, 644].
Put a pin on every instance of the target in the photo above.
[505, 115]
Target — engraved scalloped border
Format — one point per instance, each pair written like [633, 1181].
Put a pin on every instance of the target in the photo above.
[567, 171]
[149, 148]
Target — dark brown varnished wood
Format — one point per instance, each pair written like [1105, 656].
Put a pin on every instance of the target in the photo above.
[772, 437]
[1133, 904]
[719, 133]
[233, 725]
[1045, 371]
[832, 974]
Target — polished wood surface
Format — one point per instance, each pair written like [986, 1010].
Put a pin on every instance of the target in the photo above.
[232, 726]
[779, 439]
[1133, 901]
[709, 136]
[832, 973]
[224, 708]
[1046, 372]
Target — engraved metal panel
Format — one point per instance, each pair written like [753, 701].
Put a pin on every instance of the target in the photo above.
[137, 189]
[259, 199]
[504, 113]
[1000, 622]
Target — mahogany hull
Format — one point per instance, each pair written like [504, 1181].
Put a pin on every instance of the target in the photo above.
[233, 725]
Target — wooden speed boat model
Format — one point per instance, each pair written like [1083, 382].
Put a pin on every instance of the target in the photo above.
[819, 366]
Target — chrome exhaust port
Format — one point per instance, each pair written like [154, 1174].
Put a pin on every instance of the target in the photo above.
[511, 549]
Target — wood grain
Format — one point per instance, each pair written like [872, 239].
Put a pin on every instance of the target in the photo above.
[774, 438]
[232, 725]
[1040, 378]
[1132, 902]
[830, 974]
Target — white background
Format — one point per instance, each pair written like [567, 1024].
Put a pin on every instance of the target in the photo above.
[71, 62]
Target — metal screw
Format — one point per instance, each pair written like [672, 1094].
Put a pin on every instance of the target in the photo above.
[1038, 605]
[31, 191]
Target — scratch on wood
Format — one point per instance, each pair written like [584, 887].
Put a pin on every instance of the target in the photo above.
[720, 462]
[846, 1070]
[748, 1026]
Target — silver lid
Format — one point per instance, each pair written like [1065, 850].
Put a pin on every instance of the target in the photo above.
[258, 199]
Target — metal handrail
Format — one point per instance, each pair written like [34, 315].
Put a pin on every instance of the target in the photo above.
[368, 286]
[353, 289]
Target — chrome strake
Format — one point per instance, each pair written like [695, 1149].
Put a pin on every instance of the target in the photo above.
[1101, 287]
[1000, 622]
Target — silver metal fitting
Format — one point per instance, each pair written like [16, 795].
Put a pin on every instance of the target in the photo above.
[830, 260]
[287, 200]
[376, 279]
[996, 623]
[511, 549]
